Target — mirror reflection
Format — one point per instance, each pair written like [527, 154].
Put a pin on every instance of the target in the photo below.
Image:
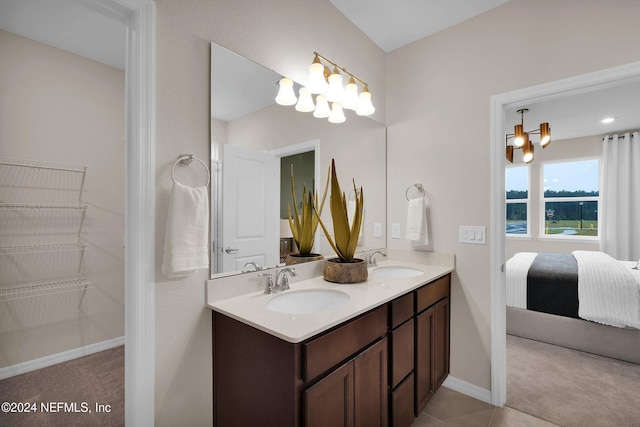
[254, 143]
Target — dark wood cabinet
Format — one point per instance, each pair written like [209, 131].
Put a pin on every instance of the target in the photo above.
[378, 369]
[432, 340]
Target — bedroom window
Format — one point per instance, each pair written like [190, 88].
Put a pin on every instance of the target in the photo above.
[517, 200]
[571, 197]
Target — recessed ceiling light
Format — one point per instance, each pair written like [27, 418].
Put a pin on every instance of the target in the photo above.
[608, 119]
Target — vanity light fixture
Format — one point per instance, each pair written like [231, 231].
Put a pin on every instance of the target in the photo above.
[331, 96]
[521, 139]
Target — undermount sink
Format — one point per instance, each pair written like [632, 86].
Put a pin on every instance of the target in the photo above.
[397, 271]
[307, 301]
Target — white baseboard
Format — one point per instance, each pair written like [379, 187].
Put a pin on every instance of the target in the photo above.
[43, 362]
[469, 389]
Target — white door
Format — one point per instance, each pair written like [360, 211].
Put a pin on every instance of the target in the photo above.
[250, 208]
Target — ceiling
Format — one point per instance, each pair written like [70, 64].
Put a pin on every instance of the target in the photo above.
[68, 25]
[393, 24]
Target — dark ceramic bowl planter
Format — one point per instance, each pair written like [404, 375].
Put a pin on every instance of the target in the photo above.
[337, 271]
[299, 259]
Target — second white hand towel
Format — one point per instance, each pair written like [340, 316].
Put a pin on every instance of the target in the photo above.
[417, 227]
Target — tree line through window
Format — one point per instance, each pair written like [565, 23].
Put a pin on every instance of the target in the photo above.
[569, 200]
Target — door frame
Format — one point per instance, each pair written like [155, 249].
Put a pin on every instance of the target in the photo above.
[499, 104]
[303, 147]
[139, 18]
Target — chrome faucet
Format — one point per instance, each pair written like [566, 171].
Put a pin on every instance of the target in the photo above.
[255, 266]
[282, 281]
[270, 288]
[371, 258]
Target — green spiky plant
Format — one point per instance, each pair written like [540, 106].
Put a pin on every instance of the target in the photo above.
[303, 225]
[346, 236]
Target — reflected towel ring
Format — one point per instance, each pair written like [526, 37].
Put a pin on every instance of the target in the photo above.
[418, 186]
[185, 160]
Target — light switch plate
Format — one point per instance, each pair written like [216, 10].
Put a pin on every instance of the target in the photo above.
[473, 234]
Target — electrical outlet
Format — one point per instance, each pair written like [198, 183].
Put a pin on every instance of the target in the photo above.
[377, 229]
[395, 231]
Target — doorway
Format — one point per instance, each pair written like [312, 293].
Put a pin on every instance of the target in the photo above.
[499, 104]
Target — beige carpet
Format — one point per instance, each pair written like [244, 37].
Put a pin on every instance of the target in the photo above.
[571, 388]
[80, 384]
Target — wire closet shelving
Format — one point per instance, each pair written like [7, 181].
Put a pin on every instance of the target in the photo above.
[41, 220]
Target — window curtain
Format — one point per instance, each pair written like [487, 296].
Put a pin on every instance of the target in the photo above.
[620, 216]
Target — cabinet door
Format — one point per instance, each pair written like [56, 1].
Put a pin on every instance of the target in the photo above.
[441, 343]
[424, 358]
[371, 396]
[330, 402]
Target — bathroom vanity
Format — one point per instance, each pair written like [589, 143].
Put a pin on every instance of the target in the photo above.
[374, 360]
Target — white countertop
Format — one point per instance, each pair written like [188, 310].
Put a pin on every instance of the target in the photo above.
[251, 308]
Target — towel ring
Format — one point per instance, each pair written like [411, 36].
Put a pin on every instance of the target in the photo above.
[185, 160]
[418, 186]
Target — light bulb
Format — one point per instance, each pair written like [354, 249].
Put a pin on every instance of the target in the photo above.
[545, 134]
[305, 103]
[335, 93]
[365, 107]
[337, 114]
[317, 81]
[286, 96]
[518, 140]
[322, 110]
[350, 101]
[527, 157]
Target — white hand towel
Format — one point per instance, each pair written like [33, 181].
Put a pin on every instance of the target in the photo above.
[187, 232]
[417, 227]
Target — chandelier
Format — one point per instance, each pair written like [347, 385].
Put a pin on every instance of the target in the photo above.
[331, 97]
[521, 139]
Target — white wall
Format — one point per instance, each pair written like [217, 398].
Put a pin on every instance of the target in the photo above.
[62, 108]
[438, 94]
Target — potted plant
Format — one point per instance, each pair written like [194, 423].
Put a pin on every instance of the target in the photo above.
[345, 268]
[304, 224]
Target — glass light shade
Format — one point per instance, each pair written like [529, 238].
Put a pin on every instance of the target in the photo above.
[305, 102]
[365, 106]
[335, 93]
[519, 136]
[286, 96]
[317, 82]
[322, 110]
[350, 100]
[527, 157]
[337, 114]
[545, 134]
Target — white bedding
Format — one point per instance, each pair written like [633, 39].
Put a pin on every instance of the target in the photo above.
[608, 289]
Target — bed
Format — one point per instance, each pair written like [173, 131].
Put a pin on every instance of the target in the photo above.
[585, 300]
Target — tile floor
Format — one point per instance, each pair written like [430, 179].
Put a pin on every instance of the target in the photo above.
[450, 408]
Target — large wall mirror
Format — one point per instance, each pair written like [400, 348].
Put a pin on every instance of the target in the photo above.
[254, 142]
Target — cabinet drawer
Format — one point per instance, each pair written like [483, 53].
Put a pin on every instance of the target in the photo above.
[329, 349]
[401, 309]
[402, 353]
[402, 404]
[431, 293]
